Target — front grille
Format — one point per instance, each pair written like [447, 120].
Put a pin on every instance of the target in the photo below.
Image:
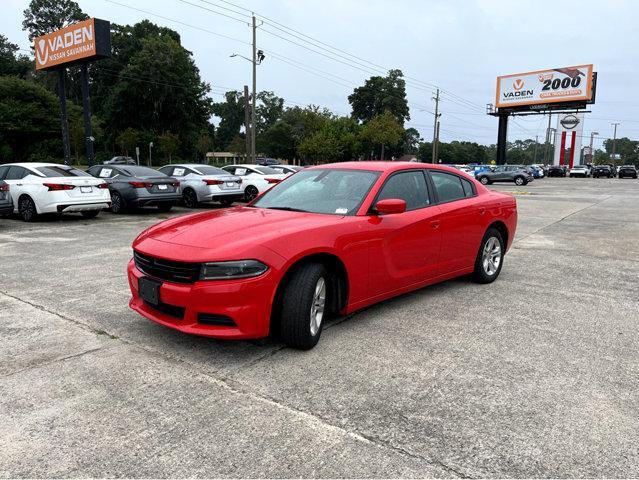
[214, 319]
[168, 270]
[165, 308]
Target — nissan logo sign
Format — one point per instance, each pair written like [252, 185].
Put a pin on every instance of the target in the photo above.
[569, 122]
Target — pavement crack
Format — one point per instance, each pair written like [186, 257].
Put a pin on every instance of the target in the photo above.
[55, 360]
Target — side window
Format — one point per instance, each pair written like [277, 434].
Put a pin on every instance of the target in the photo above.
[242, 171]
[167, 170]
[16, 173]
[231, 170]
[3, 172]
[179, 172]
[469, 191]
[448, 186]
[408, 186]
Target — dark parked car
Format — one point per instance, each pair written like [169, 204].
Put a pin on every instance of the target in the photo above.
[556, 171]
[627, 171]
[136, 186]
[6, 205]
[266, 161]
[120, 161]
[602, 171]
[506, 173]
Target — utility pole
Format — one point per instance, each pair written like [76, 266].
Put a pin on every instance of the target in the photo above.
[435, 127]
[253, 117]
[614, 143]
[536, 144]
[592, 154]
[247, 122]
[437, 144]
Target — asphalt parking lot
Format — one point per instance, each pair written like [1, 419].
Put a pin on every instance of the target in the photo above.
[534, 375]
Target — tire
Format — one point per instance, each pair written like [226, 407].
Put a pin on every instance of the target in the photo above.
[27, 209]
[226, 202]
[189, 197]
[484, 180]
[90, 213]
[491, 247]
[165, 207]
[520, 181]
[304, 307]
[117, 203]
[250, 193]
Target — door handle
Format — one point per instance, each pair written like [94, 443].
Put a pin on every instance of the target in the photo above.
[434, 224]
[18, 184]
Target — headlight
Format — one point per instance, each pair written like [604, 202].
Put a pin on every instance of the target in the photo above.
[231, 270]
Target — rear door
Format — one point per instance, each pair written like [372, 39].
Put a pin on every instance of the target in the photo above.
[406, 247]
[462, 220]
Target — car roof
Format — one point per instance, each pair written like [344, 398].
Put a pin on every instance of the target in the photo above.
[189, 165]
[382, 166]
[34, 165]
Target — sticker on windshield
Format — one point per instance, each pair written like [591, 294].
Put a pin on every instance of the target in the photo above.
[341, 211]
[240, 171]
[179, 172]
[105, 172]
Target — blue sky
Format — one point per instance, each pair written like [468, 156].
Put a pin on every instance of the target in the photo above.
[460, 46]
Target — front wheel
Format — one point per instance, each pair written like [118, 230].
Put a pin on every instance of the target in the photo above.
[490, 257]
[250, 193]
[304, 307]
[190, 198]
[27, 209]
[519, 181]
[117, 203]
[90, 213]
[484, 180]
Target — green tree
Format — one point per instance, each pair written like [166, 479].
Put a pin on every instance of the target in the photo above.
[45, 16]
[29, 122]
[127, 141]
[268, 110]
[169, 144]
[237, 145]
[204, 144]
[379, 95]
[383, 130]
[160, 90]
[10, 62]
[337, 140]
[231, 114]
[626, 148]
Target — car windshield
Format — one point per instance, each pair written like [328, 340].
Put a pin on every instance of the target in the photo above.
[61, 171]
[330, 191]
[208, 170]
[141, 172]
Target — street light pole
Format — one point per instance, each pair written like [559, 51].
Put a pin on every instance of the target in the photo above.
[253, 118]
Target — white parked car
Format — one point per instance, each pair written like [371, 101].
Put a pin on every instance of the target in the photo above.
[204, 183]
[39, 188]
[255, 178]
[287, 169]
[579, 171]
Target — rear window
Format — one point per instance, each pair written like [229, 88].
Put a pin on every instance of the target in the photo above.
[267, 170]
[61, 171]
[136, 171]
[208, 170]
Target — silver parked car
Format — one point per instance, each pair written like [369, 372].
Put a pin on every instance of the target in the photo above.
[204, 183]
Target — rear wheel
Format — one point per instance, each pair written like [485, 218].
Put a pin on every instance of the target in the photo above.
[304, 307]
[165, 207]
[519, 181]
[27, 209]
[250, 193]
[226, 202]
[190, 198]
[484, 180]
[117, 203]
[90, 213]
[490, 257]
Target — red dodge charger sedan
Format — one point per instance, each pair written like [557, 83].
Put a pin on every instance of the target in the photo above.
[327, 240]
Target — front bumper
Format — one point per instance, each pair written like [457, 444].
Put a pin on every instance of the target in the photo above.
[186, 307]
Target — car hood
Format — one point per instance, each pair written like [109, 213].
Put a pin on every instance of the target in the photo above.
[228, 232]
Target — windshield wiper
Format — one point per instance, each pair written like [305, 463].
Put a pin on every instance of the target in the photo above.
[288, 209]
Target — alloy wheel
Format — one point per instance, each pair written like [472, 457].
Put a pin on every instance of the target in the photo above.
[318, 305]
[491, 256]
[250, 193]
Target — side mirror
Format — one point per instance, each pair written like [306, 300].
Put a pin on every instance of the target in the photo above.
[390, 205]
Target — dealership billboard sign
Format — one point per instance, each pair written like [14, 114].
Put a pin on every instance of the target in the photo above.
[543, 88]
[81, 42]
